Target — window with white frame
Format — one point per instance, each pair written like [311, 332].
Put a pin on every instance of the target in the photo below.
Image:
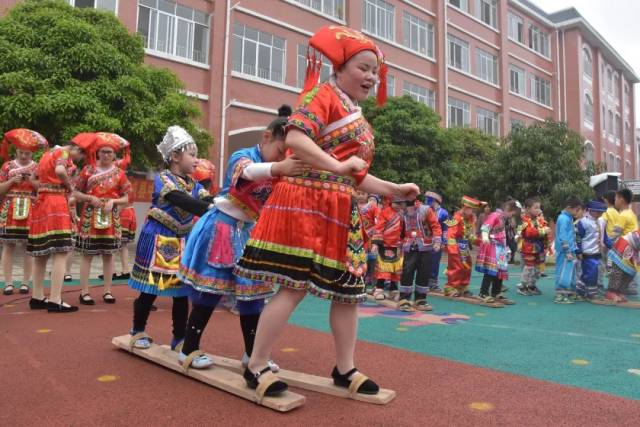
[417, 34]
[257, 53]
[617, 126]
[587, 63]
[419, 93]
[488, 122]
[487, 66]
[626, 95]
[516, 80]
[618, 164]
[109, 5]
[379, 18]
[604, 157]
[627, 169]
[603, 119]
[539, 41]
[616, 86]
[487, 12]
[627, 134]
[588, 108]
[325, 70]
[541, 90]
[460, 4]
[516, 28]
[391, 86]
[459, 113]
[333, 8]
[611, 126]
[174, 29]
[458, 56]
[588, 152]
[609, 80]
[611, 163]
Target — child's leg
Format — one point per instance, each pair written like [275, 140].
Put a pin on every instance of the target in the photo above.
[39, 269]
[496, 286]
[85, 271]
[434, 269]
[57, 276]
[249, 316]
[28, 267]
[179, 315]
[68, 262]
[487, 281]
[409, 268]
[203, 305]
[107, 270]
[422, 277]
[124, 259]
[272, 321]
[7, 263]
[141, 310]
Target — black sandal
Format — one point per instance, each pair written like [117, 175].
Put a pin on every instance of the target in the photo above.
[24, 288]
[362, 384]
[275, 387]
[85, 299]
[68, 278]
[8, 290]
[53, 307]
[38, 304]
[111, 300]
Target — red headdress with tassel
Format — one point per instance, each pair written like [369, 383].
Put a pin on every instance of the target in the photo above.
[91, 142]
[339, 44]
[22, 139]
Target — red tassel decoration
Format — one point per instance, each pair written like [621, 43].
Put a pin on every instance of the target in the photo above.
[381, 98]
[312, 75]
[4, 150]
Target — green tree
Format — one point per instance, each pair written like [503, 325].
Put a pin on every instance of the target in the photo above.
[67, 70]
[542, 160]
[412, 147]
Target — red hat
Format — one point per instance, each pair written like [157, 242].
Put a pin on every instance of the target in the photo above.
[470, 202]
[339, 44]
[91, 142]
[22, 139]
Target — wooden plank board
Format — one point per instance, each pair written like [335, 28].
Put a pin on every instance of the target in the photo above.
[467, 300]
[222, 379]
[312, 383]
[628, 304]
[385, 303]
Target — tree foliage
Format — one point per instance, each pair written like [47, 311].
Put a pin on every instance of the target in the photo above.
[66, 70]
[543, 160]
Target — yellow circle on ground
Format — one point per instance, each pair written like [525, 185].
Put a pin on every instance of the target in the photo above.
[532, 303]
[580, 362]
[481, 406]
[8, 305]
[402, 329]
[634, 371]
[481, 314]
[43, 331]
[289, 350]
[107, 378]
[635, 335]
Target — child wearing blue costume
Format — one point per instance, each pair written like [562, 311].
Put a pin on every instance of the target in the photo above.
[590, 242]
[176, 199]
[566, 247]
[218, 240]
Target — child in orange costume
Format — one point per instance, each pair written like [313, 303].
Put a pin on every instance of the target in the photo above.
[461, 237]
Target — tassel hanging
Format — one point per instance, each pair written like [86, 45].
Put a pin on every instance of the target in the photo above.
[4, 150]
[381, 98]
[151, 278]
[312, 75]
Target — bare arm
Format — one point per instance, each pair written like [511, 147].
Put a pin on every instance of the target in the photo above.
[61, 172]
[309, 153]
[373, 185]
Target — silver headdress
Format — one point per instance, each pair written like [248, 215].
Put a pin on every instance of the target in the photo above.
[176, 139]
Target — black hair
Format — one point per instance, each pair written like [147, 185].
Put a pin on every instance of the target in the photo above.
[529, 202]
[573, 202]
[626, 194]
[610, 197]
[276, 127]
[509, 206]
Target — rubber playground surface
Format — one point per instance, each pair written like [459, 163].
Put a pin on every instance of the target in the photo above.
[534, 363]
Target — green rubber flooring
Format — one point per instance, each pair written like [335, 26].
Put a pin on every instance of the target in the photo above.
[583, 345]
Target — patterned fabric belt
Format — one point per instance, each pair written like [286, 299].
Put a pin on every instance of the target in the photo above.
[52, 188]
[170, 222]
[14, 193]
[323, 180]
